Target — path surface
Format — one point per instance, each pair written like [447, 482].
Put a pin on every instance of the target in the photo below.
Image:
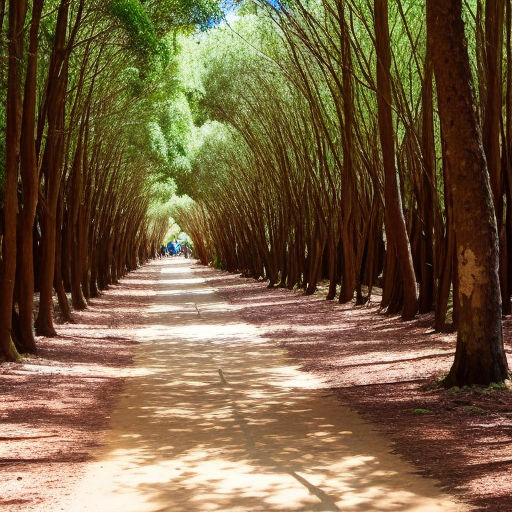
[215, 418]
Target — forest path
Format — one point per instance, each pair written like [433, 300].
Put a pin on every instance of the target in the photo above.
[216, 418]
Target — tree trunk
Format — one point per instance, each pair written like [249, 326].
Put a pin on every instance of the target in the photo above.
[349, 189]
[396, 232]
[17, 13]
[507, 155]
[29, 181]
[426, 296]
[52, 166]
[494, 19]
[480, 356]
[58, 282]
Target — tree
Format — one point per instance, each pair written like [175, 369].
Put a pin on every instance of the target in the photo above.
[30, 181]
[399, 251]
[17, 14]
[480, 356]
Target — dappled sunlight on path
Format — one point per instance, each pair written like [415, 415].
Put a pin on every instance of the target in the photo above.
[216, 418]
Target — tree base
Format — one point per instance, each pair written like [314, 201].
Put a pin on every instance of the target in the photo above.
[48, 331]
[9, 352]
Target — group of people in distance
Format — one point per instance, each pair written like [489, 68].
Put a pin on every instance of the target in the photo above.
[176, 248]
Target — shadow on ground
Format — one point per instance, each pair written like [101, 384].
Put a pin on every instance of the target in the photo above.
[386, 370]
[218, 418]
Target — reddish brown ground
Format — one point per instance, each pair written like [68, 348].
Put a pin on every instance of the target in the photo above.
[55, 407]
[386, 370]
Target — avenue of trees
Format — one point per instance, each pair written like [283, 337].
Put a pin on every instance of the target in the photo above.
[364, 143]
[368, 144]
[83, 187]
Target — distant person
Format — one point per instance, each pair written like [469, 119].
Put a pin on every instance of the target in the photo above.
[187, 251]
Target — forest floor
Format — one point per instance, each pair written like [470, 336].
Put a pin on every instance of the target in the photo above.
[127, 410]
[387, 370]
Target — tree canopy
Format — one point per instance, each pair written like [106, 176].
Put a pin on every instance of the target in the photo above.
[296, 141]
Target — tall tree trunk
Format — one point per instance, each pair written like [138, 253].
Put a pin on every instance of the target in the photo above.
[426, 296]
[480, 356]
[29, 181]
[349, 198]
[17, 14]
[58, 282]
[396, 232]
[53, 161]
[494, 19]
[507, 143]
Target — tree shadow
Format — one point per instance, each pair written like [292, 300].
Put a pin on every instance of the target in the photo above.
[221, 419]
[386, 370]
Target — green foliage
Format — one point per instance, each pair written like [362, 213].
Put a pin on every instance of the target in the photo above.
[473, 409]
[421, 411]
[498, 385]
[187, 14]
[134, 18]
[141, 31]
[151, 26]
[209, 154]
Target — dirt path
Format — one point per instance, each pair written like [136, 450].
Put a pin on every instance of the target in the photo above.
[214, 417]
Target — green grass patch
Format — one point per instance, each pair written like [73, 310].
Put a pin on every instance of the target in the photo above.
[473, 409]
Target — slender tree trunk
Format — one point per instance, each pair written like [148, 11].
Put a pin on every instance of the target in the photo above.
[494, 20]
[52, 164]
[507, 144]
[426, 296]
[332, 258]
[396, 232]
[29, 181]
[480, 356]
[58, 282]
[349, 198]
[17, 13]
[2, 17]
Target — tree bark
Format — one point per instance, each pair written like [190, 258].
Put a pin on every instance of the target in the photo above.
[53, 160]
[17, 14]
[29, 181]
[349, 189]
[494, 20]
[480, 356]
[426, 296]
[396, 233]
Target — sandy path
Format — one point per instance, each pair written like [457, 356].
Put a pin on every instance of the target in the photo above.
[215, 418]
